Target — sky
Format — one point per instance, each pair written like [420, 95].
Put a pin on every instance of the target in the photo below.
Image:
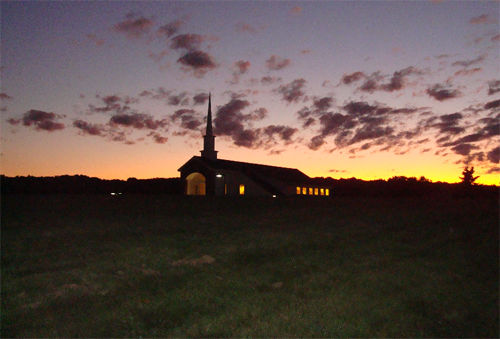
[341, 89]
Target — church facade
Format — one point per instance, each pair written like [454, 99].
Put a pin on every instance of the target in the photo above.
[208, 175]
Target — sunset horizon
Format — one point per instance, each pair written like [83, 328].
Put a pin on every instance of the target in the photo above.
[334, 89]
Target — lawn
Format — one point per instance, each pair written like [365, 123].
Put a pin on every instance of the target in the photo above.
[170, 266]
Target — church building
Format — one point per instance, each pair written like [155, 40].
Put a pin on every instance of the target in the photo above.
[208, 175]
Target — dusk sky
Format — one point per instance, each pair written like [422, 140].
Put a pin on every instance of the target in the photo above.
[365, 89]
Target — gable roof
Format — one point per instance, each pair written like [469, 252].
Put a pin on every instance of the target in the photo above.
[266, 176]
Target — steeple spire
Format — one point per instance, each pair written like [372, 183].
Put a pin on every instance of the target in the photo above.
[209, 116]
[209, 151]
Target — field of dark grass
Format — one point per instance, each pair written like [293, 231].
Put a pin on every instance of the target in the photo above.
[166, 266]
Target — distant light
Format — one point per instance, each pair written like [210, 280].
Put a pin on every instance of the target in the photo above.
[219, 175]
[113, 193]
[274, 196]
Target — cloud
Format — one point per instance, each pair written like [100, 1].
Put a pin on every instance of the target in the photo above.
[231, 121]
[239, 68]
[494, 155]
[276, 63]
[467, 63]
[482, 19]
[197, 61]
[492, 104]
[494, 87]
[245, 27]
[170, 29]
[180, 99]
[200, 98]
[158, 138]
[190, 42]
[133, 27]
[285, 132]
[468, 72]
[268, 80]
[350, 78]
[293, 92]
[372, 83]
[90, 129]
[442, 93]
[362, 122]
[113, 103]
[5, 96]
[42, 121]
[189, 118]
[137, 120]
[463, 149]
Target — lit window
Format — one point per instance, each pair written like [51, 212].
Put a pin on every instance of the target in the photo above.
[310, 191]
[304, 190]
[321, 191]
[225, 188]
[316, 191]
[327, 191]
[298, 190]
[242, 189]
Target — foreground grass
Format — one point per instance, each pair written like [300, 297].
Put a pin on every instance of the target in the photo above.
[154, 266]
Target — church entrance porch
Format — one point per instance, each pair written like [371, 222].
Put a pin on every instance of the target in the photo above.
[196, 184]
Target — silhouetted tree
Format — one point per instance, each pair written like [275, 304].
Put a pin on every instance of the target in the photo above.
[468, 177]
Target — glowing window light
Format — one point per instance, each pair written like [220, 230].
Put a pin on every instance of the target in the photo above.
[298, 190]
[327, 191]
[321, 191]
[310, 191]
[242, 189]
[316, 191]
[304, 190]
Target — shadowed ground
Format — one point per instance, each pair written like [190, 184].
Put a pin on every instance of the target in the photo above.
[163, 266]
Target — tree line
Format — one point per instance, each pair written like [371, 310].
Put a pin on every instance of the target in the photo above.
[397, 186]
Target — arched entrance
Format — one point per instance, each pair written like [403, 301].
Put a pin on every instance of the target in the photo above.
[196, 184]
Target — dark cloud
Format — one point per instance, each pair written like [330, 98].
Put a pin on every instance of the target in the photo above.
[133, 27]
[244, 27]
[191, 42]
[494, 87]
[230, 121]
[463, 149]
[113, 103]
[200, 99]
[372, 83]
[398, 78]
[42, 121]
[91, 129]
[242, 66]
[239, 68]
[293, 92]
[492, 104]
[158, 138]
[5, 96]
[350, 78]
[285, 132]
[189, 118]
[276, 63]
[323, 104]
[494, 155]
[180, 99]
[170, 29]
[442, 93]
[467, 63]
[198, 61]
[137, 120]
[468, 72]
[482, 19]
[267, 80]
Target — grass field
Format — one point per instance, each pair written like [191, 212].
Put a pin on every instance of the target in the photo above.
[165, 266]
